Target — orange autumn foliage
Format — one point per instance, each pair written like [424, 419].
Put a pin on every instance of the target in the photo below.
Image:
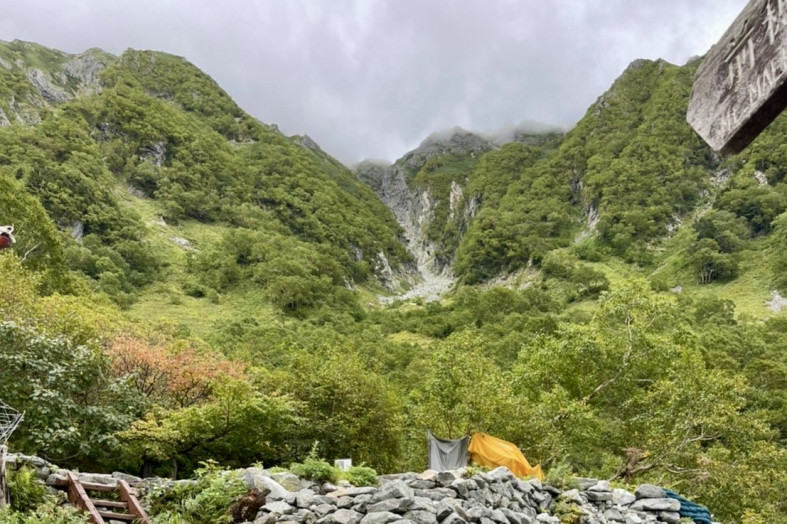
[182, 376]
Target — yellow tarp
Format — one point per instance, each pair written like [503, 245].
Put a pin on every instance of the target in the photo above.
[486, 450]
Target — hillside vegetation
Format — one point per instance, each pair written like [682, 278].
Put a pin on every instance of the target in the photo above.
[190, 285]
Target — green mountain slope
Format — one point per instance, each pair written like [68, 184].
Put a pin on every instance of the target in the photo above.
[154, 124]
[191, 285]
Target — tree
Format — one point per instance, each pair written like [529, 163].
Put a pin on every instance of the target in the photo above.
[237, 426]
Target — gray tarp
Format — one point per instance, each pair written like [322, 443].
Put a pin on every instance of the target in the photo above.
[447, 454]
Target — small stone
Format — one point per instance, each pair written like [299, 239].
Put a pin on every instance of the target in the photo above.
[547, 519]
[345, 502]
[582, 483]
[599, 496]
[602, 485]
[305, 498]
[396, 489]
[498, 516]
[649, 491]
[453, 518]
[656, 505]
[288, 481]
[571, 495]
[352, 492]
[633, 518]
[445, 478]
[131, 479]
[622, 497]
[421, 484]
[460, 487]
[279, 507]
[402, 505]
[475, 513]
[267, 518]
[383, 517]
[421, 517]
[670, 517]
[323, 509]
[346, 516]
[307, 516]
[614, 514]
[512, 516]
[429, 474]
[256, 478]
[502, 473]
[329, 487]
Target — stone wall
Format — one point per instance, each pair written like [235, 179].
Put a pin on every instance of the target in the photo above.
[447, 497]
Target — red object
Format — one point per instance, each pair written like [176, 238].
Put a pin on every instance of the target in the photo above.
[5, 241]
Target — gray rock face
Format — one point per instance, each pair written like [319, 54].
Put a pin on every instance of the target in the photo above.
[86, 68]
[46, 88]
[414, 208]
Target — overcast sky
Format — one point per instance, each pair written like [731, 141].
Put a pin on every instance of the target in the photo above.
[372, 78]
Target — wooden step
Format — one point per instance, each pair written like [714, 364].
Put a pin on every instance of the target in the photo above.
[92, 486]
[110, 504]
[117, 516]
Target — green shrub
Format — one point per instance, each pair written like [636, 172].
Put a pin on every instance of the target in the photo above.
[361, 476]
[206, 500]
[27, 493]
[50, 512]
[315, 468]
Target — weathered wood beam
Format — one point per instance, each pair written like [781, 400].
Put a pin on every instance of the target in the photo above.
[741, 85]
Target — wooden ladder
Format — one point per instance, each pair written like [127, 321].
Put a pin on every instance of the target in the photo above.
[127, 508]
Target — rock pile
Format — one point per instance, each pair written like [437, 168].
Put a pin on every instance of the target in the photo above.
[450, 497]
[446, 497]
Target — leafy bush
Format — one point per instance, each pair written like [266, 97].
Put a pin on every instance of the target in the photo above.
[50, 512]
[315, 468]
[361, 476]
[206, 500]
[26, 491]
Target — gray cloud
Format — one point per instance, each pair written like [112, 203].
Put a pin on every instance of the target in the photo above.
[372, 78]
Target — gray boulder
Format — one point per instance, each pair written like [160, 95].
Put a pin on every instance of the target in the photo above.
[649, 491]
[383, 517]
[259, 479]
[670, 517]
[323, 509]
[279, 507]
[399, 505]
[571, 495]
[342, 516]
[396, 489]
[621, 497]
[453, 518]
[664, 504]
[421, 517]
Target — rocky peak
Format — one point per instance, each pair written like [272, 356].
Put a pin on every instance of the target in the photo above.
[451, 141]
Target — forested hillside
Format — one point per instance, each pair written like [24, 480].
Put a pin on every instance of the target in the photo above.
[188, 284]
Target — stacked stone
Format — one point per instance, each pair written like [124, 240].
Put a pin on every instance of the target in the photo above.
[448, 497]
[51, 475]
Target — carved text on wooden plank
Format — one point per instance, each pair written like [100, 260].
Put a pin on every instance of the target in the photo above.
[741, 85]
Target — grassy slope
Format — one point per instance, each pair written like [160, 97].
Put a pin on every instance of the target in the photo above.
[166, 299]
